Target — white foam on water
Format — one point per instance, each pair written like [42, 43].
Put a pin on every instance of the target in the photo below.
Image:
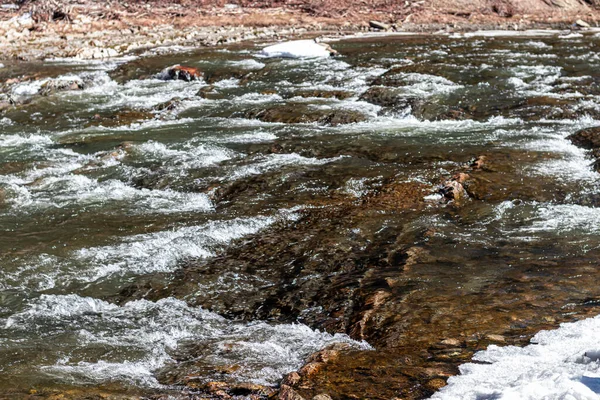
[189, 155]
[259, 136]
[572, 35]
[561, 364]
[69, 190]
[141, 94]
[573, 164]
[537, 44]
[227, 83]
[277, 161]
[560, 219]
[143, 335]
[160, 251]
[133, 255]
[21, 140]
[411, 126]
[97, 81]
[155, 124]
[249, 63]
[357, 187]
[425, 85]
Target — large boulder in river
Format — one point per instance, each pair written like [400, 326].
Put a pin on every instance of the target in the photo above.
[180, 72]
[302, 113]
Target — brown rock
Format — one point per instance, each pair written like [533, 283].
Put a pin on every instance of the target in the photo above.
[451, 342]
[311, 369]
[496, 338]
[291, 379]
[214, 387]
[287, 393]
[436, 384]
[586, 138]
[386, 97]
[453, 190]
[322, 396]
[478, 163]
[181, 72]
[461, 177]
[301, 113]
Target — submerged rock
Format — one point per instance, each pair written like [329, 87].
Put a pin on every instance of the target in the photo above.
[303, 114]
[61, 85]
[119, 118]
[180, 72]
[323, 94]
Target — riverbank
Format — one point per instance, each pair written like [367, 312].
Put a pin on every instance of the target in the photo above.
[88, 30]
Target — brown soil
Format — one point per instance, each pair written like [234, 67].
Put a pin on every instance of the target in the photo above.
[308, 12]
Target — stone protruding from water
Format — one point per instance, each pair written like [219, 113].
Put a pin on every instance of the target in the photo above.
[588, 139]
[180, 72]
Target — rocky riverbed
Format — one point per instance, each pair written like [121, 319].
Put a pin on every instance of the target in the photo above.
[355, 226]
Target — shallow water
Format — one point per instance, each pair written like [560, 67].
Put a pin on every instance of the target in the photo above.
[102, 187]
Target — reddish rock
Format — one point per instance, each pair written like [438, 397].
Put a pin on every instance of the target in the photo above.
[181, 72]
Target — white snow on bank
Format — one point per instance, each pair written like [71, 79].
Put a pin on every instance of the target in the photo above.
[296, 49]
[559, 364]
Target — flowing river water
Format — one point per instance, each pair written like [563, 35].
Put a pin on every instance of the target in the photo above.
[157, 235]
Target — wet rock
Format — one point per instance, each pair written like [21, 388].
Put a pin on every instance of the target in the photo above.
[169, 105]
[287, 393]
[478, 163]
[496, 338]
[302, 113]
[291, 379]
[209, 92]
[248, 388]
[436, 384]
[451, 342]
[324, 94]
[119, 118]
[180, 72]
[386, 97]
[61, 85]
[135, 69]
[454, 190]
[371, 305]
[379, 25]
[586, 138]
[214, 76]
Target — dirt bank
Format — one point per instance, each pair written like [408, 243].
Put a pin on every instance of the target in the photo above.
[39, 29]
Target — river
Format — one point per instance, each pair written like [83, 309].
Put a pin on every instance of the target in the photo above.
[156, 235]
